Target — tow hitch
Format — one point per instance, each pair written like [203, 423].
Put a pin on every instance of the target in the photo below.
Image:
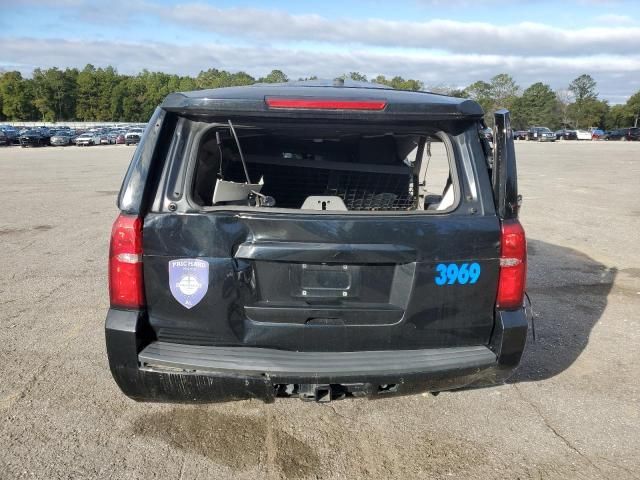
[324, 392]
[319, 393]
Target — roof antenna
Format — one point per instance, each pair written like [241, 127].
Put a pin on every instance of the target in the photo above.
[244, 164]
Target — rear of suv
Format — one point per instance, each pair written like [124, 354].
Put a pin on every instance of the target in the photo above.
[316, 240]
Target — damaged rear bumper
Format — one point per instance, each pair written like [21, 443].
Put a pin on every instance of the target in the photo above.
[146, 370]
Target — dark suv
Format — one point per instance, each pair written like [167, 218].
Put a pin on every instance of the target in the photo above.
[317, 240]
[623, 134]
[541, 134]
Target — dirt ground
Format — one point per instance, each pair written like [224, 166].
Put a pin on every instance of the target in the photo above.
[571, 411]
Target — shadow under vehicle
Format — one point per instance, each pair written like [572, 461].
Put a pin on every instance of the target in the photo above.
[569, 292]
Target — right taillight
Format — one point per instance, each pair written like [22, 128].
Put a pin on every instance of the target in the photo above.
[126, 286]
[513, 266]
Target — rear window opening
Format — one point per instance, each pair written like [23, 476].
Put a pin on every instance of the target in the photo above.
[317, 168]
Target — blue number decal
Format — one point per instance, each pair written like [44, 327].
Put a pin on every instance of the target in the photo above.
[463, 274]
[474, 272]
[452, 273]
[441, 268]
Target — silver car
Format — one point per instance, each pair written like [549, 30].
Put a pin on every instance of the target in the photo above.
[60, 139]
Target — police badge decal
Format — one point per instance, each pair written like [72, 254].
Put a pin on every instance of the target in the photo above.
[188, 280]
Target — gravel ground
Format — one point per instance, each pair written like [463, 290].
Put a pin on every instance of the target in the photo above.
[571, 411]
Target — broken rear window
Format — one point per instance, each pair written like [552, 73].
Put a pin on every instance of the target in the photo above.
[324, 167]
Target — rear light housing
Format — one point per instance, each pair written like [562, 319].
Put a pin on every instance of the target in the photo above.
[324, 104]
[126, 285]
[513, 266]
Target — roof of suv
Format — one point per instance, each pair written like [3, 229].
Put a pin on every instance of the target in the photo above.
[250, 99]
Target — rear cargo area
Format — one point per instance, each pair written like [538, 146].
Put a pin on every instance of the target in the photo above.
[322, 167]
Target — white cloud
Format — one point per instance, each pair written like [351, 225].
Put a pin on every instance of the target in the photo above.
[454, 36]
[617, 76]
[615, 19]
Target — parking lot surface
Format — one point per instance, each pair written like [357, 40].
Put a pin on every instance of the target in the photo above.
[571, 411]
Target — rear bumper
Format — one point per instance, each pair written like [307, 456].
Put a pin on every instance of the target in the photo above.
[158, 371]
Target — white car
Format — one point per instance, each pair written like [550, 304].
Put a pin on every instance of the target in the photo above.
[583, 134]
[133, 136]
[88, 138]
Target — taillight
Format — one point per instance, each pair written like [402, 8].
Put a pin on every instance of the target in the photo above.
[126, 286]
[513, 266]
[324, 104]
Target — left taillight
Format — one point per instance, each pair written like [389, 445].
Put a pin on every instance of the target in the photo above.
[513, 266]
[126, 284]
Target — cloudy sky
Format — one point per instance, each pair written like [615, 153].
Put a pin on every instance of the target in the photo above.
[441, 42]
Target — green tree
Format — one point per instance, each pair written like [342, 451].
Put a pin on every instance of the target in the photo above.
[214, 78]
[400, 83]
[480, 91]
[107, 79]
[589, 112]
[503, 91]
[87, 101]
[17, 97]
[618, 116]
[275, 76]
[538, 105]
[54, 93]
[356, 77]
[583, 88]
[2, 116]
[633, 106]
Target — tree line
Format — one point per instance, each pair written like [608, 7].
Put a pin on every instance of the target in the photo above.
[102, 94]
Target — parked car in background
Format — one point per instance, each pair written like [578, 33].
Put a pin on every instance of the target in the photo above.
[133, 136]
[564, 134]
[120, 139]
[624, 134]
[520, 134]
[34, 138]
[4, 140]
[61, 138]
[583, 134]
[597, 134]
[541, 134]
[88, 138]
[112, 136]
[10, 133]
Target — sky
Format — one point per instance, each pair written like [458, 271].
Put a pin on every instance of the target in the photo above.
[444, 43]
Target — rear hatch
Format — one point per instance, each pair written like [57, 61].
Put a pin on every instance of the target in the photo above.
[383, 234]
[323, 283]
